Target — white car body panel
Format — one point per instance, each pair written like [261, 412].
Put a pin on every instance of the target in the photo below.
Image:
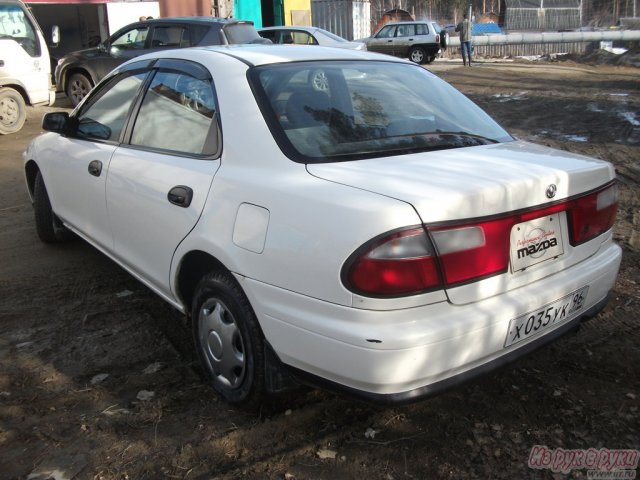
[33, 74]
[77, 197]
[417, 346]
[136, 192]
[286, 229]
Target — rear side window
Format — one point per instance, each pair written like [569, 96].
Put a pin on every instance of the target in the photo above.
[422, 29]
[170, 37]
[406, 30]
[178, 114]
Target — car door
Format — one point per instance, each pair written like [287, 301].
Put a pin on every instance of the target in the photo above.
[123, 46]
[382, 42]
[405, 38]
[158, 182]
[77, 165]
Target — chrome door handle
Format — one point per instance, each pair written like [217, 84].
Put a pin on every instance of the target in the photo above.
[180, 196]
[95, 168]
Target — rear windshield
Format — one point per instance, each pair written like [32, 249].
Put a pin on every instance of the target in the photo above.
[241, 33]
[351, 110]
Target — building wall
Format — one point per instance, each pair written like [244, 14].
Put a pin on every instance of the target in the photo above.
[297, 12]
[349, 19]
[248, 10]
[185, 8]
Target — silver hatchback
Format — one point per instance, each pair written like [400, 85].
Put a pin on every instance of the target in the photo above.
[421, 42]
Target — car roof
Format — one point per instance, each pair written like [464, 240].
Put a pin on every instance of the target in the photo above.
[289, 27]
[202, 20]
[256, 55]
[411, 22]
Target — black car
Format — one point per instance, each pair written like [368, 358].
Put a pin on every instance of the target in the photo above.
[77, 72]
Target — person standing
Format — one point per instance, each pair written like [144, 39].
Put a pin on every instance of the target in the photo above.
[465, 27]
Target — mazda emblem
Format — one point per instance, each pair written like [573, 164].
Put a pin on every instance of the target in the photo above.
[551, 191]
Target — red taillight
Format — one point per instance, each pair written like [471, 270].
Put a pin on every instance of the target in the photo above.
[405, 263]
[464, 260]
[592, 215]
[401, 263]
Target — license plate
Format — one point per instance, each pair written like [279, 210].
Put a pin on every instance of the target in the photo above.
[534, 322]
[535, 241]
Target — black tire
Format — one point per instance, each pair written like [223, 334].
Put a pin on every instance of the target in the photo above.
[228, 339]
[13, 111]
[417, 55]
[78, 86]
[49, 227]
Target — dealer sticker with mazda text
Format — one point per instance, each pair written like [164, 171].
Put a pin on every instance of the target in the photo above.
[535, 241]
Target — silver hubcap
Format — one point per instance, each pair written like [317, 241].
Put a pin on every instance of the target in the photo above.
[320, 81]
[78, 90]
[221, 343]
[416, 56]
[9, 111]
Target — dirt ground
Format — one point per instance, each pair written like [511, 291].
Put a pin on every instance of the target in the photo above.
[98, 381]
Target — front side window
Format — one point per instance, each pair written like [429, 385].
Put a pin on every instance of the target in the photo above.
[104, 117]
[16, 25]
[387, 32]
[133, 39]
[178, 113]
[350, 110]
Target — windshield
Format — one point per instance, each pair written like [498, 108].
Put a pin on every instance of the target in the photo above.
[15, 24]
[350, 110]
[330, 35]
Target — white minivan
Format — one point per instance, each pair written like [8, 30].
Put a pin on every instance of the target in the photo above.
[25, 68]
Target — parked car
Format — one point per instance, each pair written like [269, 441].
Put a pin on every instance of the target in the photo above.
[420, 42]
[308, 36]
[78, 72]
[25, 71]
[378, 235]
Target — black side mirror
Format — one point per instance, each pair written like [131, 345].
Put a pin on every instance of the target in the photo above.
[57, 122]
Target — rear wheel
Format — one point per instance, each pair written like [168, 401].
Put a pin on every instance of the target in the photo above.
[49, 227]
[13, 111]
[78, 87]
[417, 55]
[228, 339]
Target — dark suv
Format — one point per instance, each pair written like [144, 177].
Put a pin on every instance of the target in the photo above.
[78, 72]
[420, 42]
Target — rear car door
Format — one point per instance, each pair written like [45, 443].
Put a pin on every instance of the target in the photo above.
[403, 41]
[77, 166]
[158, 182]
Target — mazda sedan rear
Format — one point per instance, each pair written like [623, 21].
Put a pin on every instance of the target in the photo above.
[328, 216]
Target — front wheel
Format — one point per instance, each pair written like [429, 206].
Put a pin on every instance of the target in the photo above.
[13, 111]
[49, 227]
[78, 87]
[228, 339]
[417, 55]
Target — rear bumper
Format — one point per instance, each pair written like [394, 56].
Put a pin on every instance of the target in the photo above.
[403, 355]
[441, 386]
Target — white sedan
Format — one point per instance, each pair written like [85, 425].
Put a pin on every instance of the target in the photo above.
[374, 233]
[300, 35]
